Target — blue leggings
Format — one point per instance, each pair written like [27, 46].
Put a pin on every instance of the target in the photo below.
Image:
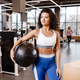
[46, 64]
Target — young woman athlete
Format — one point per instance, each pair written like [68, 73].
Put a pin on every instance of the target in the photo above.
[47, 37]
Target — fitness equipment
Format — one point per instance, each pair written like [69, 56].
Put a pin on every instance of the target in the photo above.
[10, 20]
[25, 54]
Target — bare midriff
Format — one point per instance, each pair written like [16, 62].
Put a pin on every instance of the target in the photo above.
[45, 50]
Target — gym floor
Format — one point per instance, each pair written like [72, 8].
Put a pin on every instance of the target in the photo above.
[69, 53]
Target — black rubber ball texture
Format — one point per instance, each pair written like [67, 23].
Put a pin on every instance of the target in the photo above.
[25, 54]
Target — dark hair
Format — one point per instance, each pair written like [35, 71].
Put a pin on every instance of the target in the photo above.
[69, 27]
[53, 18]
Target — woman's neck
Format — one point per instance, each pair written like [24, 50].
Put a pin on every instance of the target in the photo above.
[46, 29]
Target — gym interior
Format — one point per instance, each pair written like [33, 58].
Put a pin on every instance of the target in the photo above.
[18, 17]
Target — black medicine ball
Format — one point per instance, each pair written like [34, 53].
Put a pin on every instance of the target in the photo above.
[25, 54]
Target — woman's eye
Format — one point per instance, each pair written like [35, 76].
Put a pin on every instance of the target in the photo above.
[44, 17]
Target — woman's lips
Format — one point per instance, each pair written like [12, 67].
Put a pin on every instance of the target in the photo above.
[43, 22]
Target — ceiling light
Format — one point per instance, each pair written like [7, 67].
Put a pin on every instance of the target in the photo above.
[55, 3]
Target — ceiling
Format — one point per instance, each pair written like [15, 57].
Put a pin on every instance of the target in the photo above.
[41, 3]
[45, 1]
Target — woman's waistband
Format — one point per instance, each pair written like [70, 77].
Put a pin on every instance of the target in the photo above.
[40, 46]
[46, 55]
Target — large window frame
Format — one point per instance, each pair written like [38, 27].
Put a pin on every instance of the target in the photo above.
[74, 22]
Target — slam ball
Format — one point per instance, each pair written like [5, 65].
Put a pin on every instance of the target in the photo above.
[25, 54]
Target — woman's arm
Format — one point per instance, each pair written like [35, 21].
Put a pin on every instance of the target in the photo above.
[71, 31]
[58, 52]
[58, 55]
[24, 38]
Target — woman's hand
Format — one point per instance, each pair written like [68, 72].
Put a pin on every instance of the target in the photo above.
[58, 71]
[12, 55]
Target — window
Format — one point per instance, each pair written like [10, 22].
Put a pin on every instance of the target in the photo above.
[14, 21]
[53, 10]
[0, 20]
[31, 16]
[37, 16]
[70, 16]
[78, 15]
[71, 13]
[78, 29]
[62, 14]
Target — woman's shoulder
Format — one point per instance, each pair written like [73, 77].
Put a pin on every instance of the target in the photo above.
[57, 32]
[36, 31]
[68, 29]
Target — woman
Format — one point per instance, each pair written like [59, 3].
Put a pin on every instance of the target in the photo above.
[68, 34]
[46, 37]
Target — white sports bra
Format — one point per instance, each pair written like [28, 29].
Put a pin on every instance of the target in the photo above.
[46, 42]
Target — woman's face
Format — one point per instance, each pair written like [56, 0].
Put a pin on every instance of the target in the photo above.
[45, 19]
